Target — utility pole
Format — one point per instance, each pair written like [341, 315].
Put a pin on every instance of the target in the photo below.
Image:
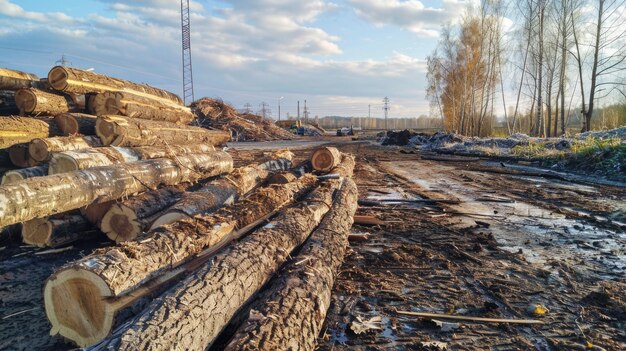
[63, 61]
[298, 110]
[282, 97]
[247, 107]
[185, 20]
[264, 109]
[306, 112]
[386, 108]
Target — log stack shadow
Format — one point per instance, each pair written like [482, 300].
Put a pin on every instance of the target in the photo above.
[185, 241]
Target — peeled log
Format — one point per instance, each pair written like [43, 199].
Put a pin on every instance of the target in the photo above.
[220, 192]
[193, 313]
[41, 149]
[114, 278]
[127, 131]
[305, 287]
[15, 80]
[69, 161]
[15, 175]
[35, 101]
[130, 105]
[44, 196]
[55, 232]
[326, 158]
[19, 156]
[76, 123]
[15, 130]
[77, 81]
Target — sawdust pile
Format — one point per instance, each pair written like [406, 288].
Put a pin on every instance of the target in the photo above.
[215, 113]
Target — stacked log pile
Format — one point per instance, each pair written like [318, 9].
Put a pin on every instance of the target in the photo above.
[188, 239]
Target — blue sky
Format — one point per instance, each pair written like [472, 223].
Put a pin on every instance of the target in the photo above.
[338, 55]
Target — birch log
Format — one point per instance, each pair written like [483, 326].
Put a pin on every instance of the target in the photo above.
[41, 149]
[69, 161]
[115, 278]
[15, 175]
[34, 101]
[55, 232]
[43, 196]
[77, 81]
[131, 105]
[126, 131]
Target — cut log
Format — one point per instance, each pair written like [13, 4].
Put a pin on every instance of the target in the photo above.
[44, 196]
[70, 161]
[305, 287]
[77, 81]
[130, 105]
[7, 103]
[326, 158]
[126, 220]
[282, 178]
[94, 212]
[76, 123]
[55, 232]
[15, 80]
[126, 131]
[90, 107]
[209, 298]
[220, 192]
[15, 175]
[35, 101]
[19, 156]
[115, 278]
[15, 130]
[41, 149]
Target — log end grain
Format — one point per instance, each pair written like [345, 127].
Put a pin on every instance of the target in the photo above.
[326, 158]
[120, 224]
[74, 305]
[36, 232]
[61, 163]
[168, 217]
[20, 157]
[10, 177]
[26, 100]
[38, 150]
[57, 78]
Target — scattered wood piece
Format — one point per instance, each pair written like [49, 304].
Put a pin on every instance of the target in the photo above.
[470, 318]
[367, 220]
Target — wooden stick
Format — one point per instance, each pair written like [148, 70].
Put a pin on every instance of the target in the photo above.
[470, 318]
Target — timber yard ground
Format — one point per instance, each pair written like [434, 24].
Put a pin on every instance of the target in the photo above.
[458, 235]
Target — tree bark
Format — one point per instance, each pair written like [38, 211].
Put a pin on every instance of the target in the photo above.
[15, 80]
[41, 149]
[221, 192]
[77, 81]
[325, 158]
[55, 232]
[209, 298]
[19, 156]
[44, 196]
[34, 101]
[126, 131]
[130, 105]
[72, 124]
[16, 130]
[282, 178]
[290, 314]
[70, 161]
[15, 175]
[113, 279]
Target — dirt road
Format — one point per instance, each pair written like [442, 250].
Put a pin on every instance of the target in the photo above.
[499, 246]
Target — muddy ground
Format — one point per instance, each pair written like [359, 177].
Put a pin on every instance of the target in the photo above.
[462, 236]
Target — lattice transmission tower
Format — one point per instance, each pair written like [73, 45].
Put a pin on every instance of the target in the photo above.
[187, 69]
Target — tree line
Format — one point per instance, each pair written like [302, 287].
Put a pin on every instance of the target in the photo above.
[542, 63]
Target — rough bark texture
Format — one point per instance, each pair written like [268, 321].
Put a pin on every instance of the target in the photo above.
[325, 158]
[290, 314]
[221, 192]
[70, 161]
[55, 232]
[19, 156]
[41, 149]
[193, 313]
[76, 123]
[131, 105]
[77, 81]
[35, 101]
[282, 178]
[126, 131]
[122, 270]
[15, 130]
[126, 220]
[16, 175]
[15, 80]
[7, 103]
[44, 196]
